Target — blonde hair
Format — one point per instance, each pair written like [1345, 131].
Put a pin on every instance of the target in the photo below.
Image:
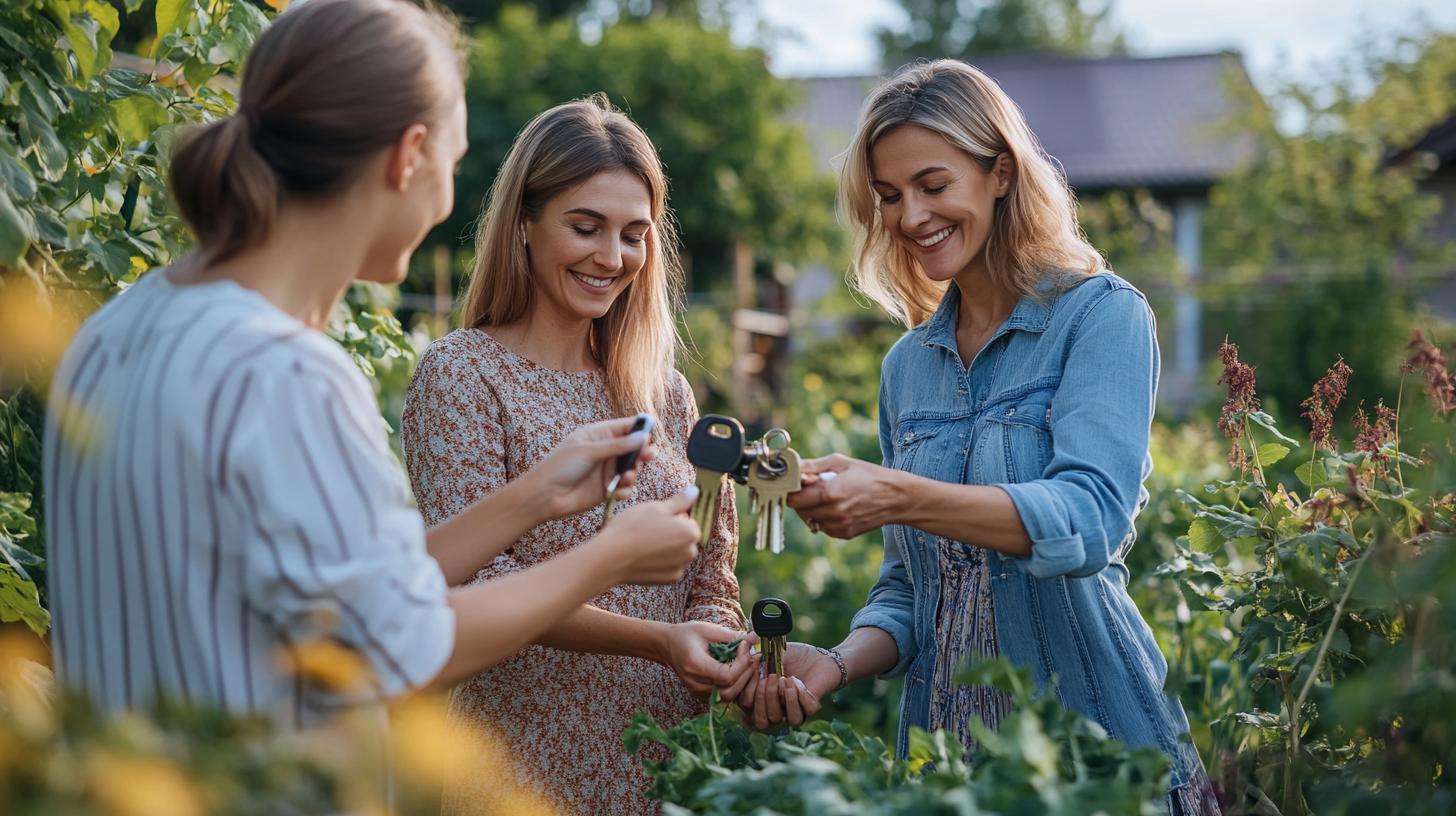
[1034, 231]
[636, 341]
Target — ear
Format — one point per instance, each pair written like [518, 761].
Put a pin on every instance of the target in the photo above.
[1004, 171]
[405, 157]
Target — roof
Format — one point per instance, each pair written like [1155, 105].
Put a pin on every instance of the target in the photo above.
[1111, 122]
[1439, 141]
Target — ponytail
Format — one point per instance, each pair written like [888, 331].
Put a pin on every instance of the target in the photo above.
[327, 86]
[227, 193]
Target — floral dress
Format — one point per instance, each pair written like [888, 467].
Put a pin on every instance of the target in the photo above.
[477, 416]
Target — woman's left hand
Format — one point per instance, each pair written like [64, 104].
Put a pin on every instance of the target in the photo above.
[845, 497]
[686, 651]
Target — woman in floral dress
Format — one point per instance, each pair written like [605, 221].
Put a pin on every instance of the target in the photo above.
[569, 320]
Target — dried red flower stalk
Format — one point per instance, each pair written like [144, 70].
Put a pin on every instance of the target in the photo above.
[1429, 361]
[1239, 379]
[1322, 403]
[1371, 438]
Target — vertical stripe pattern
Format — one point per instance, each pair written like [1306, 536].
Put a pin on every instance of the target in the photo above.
[214, 502]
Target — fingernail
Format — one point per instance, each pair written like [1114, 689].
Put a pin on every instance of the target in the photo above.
[827, 476]
[638, 437]
[800, 684]
[691, 491]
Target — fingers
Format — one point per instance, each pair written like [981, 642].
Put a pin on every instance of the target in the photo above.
[790, 692]
[760, 704]
[833, 463]
[681, 502]
[774, 698]
[807, 700]
[808, 497]
[743, 666]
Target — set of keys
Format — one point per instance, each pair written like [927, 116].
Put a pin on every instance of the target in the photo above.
[772, 621]
[768, 466]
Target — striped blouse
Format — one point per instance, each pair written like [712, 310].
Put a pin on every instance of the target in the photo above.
[220, 493]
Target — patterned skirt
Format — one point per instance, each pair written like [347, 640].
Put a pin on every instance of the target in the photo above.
[965, 628]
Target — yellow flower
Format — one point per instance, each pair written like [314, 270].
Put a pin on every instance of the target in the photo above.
[35, 326]
[841, 410]
[813, 382]
[329, 664]
[142, 786]
[277, 5]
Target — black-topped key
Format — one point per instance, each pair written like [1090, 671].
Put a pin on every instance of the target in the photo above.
[773, 620]
[625, 462]
[715, 448]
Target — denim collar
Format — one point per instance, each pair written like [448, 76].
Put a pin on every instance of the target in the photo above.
[1030, 314]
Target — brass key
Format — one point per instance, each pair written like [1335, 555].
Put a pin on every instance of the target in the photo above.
[715, 448]
[773, 621]
[773, 475]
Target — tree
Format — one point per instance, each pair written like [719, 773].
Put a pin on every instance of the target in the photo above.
[970, 29]
[1325, 217]
[738, 171]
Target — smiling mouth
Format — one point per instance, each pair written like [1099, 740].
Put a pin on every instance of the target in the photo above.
[935, 238]
[595, 283]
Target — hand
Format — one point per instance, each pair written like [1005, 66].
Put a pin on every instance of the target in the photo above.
[770, 702]
[686, 652]
[845, 497]
[575, 475]
[653, 542]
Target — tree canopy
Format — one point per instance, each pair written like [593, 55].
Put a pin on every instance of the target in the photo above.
[969, 29]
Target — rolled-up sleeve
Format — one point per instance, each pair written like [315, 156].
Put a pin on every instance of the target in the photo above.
[341, 553]
[891, 603]
[1081, 511]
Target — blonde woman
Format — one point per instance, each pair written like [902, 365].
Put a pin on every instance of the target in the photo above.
[569, 320]
[1014, 422]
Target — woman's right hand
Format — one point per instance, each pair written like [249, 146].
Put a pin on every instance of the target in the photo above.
[652, 542]
[771, 702]
[575, 475]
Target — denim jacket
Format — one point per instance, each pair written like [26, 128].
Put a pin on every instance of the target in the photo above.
[1055, 410]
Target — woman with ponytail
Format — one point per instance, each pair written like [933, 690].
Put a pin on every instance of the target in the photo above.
[235, 499]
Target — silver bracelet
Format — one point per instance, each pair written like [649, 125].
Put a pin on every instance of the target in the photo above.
[838, 661]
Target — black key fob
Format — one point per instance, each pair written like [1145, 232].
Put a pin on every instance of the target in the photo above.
[628, 460]
[716, 444]
[772, 618]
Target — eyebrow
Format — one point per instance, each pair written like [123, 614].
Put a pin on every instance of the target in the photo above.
[589, 213]
[918, 176]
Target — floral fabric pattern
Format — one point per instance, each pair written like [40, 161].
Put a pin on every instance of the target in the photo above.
[477, 416]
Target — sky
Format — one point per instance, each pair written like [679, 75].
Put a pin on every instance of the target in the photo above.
[1278, 38]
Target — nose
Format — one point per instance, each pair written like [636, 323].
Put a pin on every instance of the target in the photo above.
[609, 254]
[914, 215]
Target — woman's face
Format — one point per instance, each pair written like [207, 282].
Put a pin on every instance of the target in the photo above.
[935, 200]
[428, 194]
[589, 243]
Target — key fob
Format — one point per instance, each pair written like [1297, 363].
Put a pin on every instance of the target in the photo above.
[772, 618]
[628, 460]
[716, 444]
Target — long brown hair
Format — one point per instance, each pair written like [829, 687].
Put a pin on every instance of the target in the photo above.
[636, 341]
[1034, 230]
[328, 84]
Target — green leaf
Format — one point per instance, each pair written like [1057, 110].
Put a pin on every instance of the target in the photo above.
[15, 177]
[17, 230]
[1266, 422]
[20, 601]
[1314, 474]
[172, 15]
[90, 30]
[138, 117]
[1202, 535]
[1271, 452]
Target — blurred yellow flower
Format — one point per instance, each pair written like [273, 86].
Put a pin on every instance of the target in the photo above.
[35, 326]
[329, 664]
[813, 382]
[142, 786]
[841, 410]
[278, 5]
[430, 751]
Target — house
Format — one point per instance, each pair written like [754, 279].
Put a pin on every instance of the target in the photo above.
[1164, 124]
[1436, 149]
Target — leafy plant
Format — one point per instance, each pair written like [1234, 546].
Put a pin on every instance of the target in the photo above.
[1044, 760]
[1340, 602]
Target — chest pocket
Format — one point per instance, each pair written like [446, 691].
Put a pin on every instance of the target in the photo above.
[911, 453]
[1015, 443]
